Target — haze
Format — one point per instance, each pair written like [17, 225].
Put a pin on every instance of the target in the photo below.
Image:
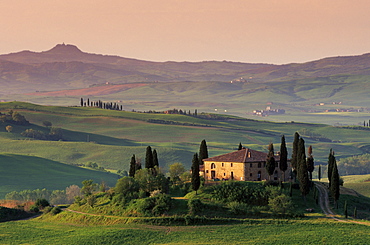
[268, 31]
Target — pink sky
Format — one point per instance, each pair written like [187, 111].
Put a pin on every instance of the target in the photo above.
[268, 31]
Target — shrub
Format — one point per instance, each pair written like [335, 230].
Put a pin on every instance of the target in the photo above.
[34, 209]
[195, 206]
[281, 204]
[56, 210]
[42, 203]
[47, 209]
[232, 191]
[91, 200]
[150, 206]
[238, 208]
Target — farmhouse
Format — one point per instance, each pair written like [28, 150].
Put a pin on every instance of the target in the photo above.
[245, 164]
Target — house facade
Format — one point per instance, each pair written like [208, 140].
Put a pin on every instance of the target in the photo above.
[244, 165]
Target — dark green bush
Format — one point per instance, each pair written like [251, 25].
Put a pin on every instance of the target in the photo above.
[34, 208]
[42, 203]
[56, 210]
[195, 206]
[242, 192]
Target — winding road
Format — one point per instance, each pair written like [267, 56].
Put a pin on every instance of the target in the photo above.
[324, 205]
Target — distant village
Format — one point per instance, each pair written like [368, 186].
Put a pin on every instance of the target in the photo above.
[268, 111]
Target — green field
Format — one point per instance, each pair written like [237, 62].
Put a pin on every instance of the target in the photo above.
[109, 138]
[20, 172]
[263, 231]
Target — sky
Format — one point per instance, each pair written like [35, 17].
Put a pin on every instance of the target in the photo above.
[253, 31]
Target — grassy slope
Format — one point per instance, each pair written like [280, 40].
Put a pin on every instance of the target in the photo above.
[295, 96]
[251, 232]
[19, 172]
[121, 134]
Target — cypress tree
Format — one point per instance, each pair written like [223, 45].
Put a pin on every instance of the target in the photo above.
[240, 146]
[132, 166]
[319, 174]
[302, 173]
[88, 102]
[270, 161]
[82, 102]
[195, 178]
[345, 209]
[283, 156]
[149, 158]
[294, 154]
[155, 162]
[203, 152]
[334, 187]
[310, 162]
[331, 160]
[355, 212]
[155, 158]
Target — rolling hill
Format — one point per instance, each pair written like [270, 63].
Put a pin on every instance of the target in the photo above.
[332, 90]
[20, 172]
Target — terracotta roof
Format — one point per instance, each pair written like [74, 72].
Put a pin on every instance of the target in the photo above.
[244, 155]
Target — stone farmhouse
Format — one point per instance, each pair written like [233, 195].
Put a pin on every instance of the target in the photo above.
[245, 165]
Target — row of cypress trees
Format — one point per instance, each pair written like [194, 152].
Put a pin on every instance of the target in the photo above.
[151, 162]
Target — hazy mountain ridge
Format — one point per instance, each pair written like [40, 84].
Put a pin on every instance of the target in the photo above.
[203, 85]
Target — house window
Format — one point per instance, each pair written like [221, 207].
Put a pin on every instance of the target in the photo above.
[259, 165]
[206, 171]
[249, 154]
[231, 165]
[213, 166]
[275, 175]
[259, 176]
[224, 174]
[222, 164]
[251, 165]
[250, 174]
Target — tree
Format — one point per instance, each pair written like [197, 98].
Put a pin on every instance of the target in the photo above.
[9, 128]
[310, 162]
[155, 159]
[132, 166]
[149, 158]
[319, 174]
[294, 159]
[195, 178]
[47, 124]
[176, 170]
[88, 187]
[283, 156]
[126, 186]
[270, 160]
[72, 191]
[82, 102]
[331, 160]
[203, 152]
[302, 173]
[334, 187]
[240, 146]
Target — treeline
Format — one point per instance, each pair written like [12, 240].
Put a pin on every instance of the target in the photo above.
[354, 165]
[13, 117]
[54, 134]
[54, 196]
[101, 104]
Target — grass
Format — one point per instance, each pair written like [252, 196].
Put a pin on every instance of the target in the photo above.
[21, 172]
[250, 232]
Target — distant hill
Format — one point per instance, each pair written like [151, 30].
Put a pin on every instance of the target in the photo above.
[63, 74]
[67, 67]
